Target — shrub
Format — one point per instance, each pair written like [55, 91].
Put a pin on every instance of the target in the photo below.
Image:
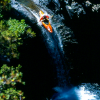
[4, 6]
[9, 76]
[11, 33]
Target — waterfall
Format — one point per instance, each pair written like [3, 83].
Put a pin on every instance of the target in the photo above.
[54, 45]
[54, 49]
[52, 41]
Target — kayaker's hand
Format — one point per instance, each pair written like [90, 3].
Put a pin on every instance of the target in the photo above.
[51, 16]
[40, 19]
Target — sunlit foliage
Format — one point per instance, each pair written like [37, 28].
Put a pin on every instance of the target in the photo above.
[11, 33]
[4, 6]
[9, 76]
[30, 33]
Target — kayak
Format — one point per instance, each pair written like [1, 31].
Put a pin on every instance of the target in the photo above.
[46, 23]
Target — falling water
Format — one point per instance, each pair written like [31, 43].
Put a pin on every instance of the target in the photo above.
[52, 41]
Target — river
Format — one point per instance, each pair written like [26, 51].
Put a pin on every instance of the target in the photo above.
[51, 70]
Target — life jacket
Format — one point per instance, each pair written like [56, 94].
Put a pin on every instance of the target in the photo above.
[44, 17]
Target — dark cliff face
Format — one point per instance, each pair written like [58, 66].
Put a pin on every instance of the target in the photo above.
[82, 17]
[86, 30]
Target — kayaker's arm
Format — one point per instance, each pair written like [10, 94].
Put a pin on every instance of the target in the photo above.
[47, 16]
[41, 18]
[51, 16]
[44, 17]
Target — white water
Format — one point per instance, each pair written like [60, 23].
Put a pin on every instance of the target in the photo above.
[52, 41]
[73, 93]
[54, 45]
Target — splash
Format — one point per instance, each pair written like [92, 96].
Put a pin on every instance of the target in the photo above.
[73, 93]
[52, 41]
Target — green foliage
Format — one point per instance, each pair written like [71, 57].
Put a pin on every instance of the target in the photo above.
[11, 33]
[16, 27]
[30, 33]
[9, 76]
[4, 6]
[1, 14]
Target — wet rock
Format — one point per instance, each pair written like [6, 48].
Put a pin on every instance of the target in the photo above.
[4, 58]
[95, 8]
[87, 3]
[75, 9]
[20, 10]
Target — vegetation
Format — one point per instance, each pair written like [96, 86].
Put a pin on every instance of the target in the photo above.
[4, 6]
[9, 76]
[12, 33]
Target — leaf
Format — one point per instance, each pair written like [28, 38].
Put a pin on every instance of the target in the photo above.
[7, 96]
[23, 83]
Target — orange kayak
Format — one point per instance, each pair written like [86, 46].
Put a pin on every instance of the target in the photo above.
[46, 23]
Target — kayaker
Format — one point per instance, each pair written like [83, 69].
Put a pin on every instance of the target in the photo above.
[45, 17]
